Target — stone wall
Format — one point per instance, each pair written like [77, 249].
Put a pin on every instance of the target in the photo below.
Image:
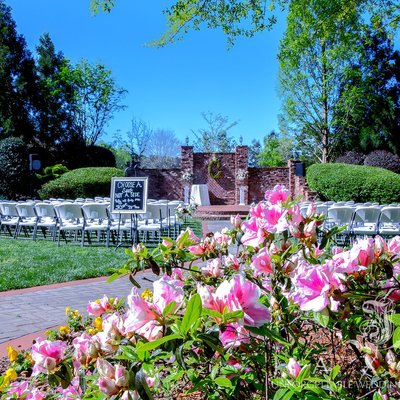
[237, 183]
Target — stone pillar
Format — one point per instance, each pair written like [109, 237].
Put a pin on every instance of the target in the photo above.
[187, 173]
[242, 175]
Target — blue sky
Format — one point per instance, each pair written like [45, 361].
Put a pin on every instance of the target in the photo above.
[169, 87]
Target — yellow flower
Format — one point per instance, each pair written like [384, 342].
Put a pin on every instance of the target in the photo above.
[67, 310]
[11, 374]
[147, 295]
[64, 330]
[98, 323]
[75, 314]
[12, 354]
[91, 331]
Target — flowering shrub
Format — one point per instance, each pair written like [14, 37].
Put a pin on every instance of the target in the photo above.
[289, 315]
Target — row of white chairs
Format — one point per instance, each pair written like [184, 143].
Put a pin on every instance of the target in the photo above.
[75, 220]
[360, 219]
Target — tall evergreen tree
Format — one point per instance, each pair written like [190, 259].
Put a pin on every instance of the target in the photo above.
[55, 114]
[18, 88]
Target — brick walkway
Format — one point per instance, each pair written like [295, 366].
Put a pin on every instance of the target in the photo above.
[31, 311]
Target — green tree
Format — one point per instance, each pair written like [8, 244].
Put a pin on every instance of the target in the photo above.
[18, 89]
[215, 137]
[373, 87]
[254, 151]
[277, 150]
[317, 47]
[97, 98]
[56, 103]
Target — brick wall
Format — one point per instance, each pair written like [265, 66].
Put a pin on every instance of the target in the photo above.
[265, 178]
[221, 190]
[163, 183]
[225, 190]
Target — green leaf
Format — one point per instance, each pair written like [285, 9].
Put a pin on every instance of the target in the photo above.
[223, 382]
[304, 373]
[396, 338]
[192, 314]
[169, 309]
[322, 317]
[270, 334]
[282, 394]
[334, 372]
[157, 343]
[394, 319]
[113, 277]
[234, 315]
[211, 313]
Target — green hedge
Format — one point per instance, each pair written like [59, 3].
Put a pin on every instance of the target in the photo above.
[343, 182]
[82, 182]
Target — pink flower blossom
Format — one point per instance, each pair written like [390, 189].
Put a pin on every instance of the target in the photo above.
[364, 251]
[393, 246]
[236, 221]
[85, 348]
[35, 394]
[47, 355]
[278, 195]
[142, 317]
[261, 262]
[234, 335]
[293, 367]
[72, 392]
[237, 294]
[111, 379]
[98, 307]
[222, 239]
[19, 389]
[213, 268]
[313, 287]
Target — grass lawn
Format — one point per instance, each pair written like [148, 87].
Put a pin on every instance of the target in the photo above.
[25, 263]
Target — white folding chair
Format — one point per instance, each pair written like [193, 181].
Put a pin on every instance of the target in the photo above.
[27, 219]
[95, 219]
[47, 219]
[365, 221]
[10, 217]
[341, 216]
[70, 219]
[389, 221]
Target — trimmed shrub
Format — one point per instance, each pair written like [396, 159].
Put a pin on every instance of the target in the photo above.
[351, 157]
[343, 182]
[82, 182]
[14, 168]
[51, 173]
[383, 159]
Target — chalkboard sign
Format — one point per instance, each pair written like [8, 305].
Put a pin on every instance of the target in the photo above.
[128, 195]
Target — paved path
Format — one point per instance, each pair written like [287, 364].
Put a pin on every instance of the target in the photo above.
[27, 311]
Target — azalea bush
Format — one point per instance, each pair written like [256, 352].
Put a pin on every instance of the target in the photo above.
[271, 309]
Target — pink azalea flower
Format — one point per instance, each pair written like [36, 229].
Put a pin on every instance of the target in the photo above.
[278, 195]
[261, 262]
[213, 268]
[19, 389]
[111, 379]
[380, 246]
[364, 251]
[231, 262]
[35, 394]
[85, 348]
[236, 221]
[222, 239]
[142, 317]
[245, 295]
[47, 355]
[234, 335]
[313, 286]
[192, 237]
[393, 246]
[73, 391]
[98, 307]
[293, 367]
